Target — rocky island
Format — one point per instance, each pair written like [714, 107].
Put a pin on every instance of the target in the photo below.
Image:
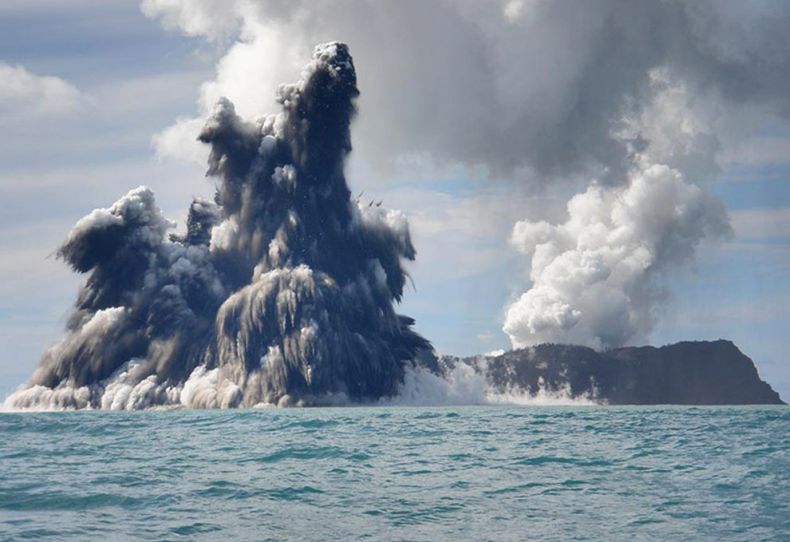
[692, 372]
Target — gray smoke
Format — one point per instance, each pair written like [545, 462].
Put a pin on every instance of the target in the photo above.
[525, 89]
[280, 291]
[637, 99]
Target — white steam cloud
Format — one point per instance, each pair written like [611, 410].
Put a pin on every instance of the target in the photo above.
[596, 277]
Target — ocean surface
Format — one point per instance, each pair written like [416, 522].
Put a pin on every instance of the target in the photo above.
[398, 473]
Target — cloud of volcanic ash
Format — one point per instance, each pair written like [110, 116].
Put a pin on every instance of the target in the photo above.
[525, 89]
[281, 290]
[637, 100]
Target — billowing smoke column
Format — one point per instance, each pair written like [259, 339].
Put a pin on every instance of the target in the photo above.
[631, 94]
[596, 279]
[281, 291]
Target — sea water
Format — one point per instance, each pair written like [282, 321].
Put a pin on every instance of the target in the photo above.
[398, 473]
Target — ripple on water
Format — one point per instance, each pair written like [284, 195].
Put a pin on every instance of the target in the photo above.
[554, 473]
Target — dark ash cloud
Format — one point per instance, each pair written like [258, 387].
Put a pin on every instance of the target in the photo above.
[281, 291]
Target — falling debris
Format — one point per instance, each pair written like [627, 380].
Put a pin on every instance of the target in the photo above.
[281, 291]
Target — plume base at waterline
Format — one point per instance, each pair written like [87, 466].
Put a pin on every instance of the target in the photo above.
[697, 373]
[281, 291]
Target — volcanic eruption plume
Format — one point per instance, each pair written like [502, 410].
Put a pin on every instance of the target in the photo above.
[281, 291]
[596, 279]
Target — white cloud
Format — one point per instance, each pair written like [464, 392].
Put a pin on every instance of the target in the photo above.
[23, 94]
[212, 19]
[180, 141]
[513, 10]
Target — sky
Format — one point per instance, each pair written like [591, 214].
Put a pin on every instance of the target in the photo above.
[473, 117]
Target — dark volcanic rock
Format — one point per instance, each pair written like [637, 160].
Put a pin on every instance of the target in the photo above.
[703, 373]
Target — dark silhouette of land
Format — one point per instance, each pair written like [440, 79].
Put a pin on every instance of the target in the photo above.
[689, 373]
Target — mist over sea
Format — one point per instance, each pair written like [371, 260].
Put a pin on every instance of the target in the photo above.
[398, 473]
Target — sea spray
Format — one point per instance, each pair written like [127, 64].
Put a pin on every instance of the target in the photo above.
[469, 383]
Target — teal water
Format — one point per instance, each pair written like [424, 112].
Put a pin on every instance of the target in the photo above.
[473, 473]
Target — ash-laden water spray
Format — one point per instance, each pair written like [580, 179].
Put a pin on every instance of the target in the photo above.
[281, 291]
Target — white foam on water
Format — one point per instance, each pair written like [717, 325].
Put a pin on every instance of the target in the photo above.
[467, 384]
[463, 384]
[41, 398]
